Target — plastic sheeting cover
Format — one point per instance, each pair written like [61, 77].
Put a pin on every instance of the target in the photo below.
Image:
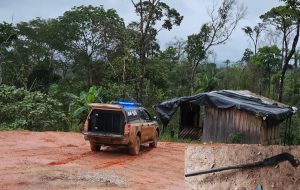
[226, 99]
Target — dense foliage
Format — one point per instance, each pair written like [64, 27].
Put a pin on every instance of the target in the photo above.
[21, 109]
[51, 69]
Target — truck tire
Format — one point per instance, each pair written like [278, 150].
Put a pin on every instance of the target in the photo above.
[155, 140]
[94, 147]
[134, 148]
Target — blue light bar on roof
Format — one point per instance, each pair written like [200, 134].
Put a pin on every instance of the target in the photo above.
[123, 103]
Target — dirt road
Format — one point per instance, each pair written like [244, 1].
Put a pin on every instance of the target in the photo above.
[58, 160]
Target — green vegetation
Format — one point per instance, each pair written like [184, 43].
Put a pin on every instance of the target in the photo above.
[21, 109]
[79, 106]
[51, 69]
[234, 138]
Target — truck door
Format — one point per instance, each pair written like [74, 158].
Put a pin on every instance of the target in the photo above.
[147, 125]
[152, 123]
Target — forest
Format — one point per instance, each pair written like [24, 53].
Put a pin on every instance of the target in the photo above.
[51, 69]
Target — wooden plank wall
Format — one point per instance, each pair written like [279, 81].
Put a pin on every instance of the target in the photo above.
[190, 133]
[219, 124]
[270, 134]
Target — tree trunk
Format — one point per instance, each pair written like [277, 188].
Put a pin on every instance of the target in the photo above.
[142, 77]
[255, 45]
[124, 78]
[282, 54]
[269, 78]
[88, 74]
[286, 61]
[280, 89]
[0, 73]
[296, 60]
[193, 80]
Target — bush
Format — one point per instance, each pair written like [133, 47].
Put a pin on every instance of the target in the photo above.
[292, 135]
[234, 138]
[21, 109]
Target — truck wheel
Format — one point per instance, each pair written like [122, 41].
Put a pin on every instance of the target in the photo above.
[134, 148]
[155, 140]
[94, 147]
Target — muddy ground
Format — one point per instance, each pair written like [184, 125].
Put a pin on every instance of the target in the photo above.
[280, 177]
[58, 160]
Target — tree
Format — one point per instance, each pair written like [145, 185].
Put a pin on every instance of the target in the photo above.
[222, 22]
[287, 20]
[92, 35]
[208, 79]
[178, 45]
[7, 35]
[150, 13]
[215, 32]
[247, 55]
[30, 61]
[230, 77]
[37, 36]
[268, 61]
[173, 70]
[195, 54]
[254, 34]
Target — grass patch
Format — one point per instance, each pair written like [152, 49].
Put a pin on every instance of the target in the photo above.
[166, 137]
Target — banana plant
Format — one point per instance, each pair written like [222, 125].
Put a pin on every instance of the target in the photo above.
[79, 104]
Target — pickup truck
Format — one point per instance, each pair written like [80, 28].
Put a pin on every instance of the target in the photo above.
[120, 124]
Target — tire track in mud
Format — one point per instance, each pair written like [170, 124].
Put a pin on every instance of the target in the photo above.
[70, 159]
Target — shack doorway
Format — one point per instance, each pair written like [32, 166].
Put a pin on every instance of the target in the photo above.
[190, 125]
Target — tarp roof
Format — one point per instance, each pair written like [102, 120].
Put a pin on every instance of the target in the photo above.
[265, 108]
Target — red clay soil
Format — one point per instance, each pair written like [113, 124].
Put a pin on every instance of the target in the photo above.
[58, 160]
[280, 177]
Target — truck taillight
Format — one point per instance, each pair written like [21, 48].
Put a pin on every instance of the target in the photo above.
[86, 125]
[127, 128]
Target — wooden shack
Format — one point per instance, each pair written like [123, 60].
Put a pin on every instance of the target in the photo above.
[215, 116]
[220, 124]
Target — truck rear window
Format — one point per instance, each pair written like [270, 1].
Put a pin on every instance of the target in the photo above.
[107, 121]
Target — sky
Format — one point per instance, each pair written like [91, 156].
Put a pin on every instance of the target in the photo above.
[194, 12]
